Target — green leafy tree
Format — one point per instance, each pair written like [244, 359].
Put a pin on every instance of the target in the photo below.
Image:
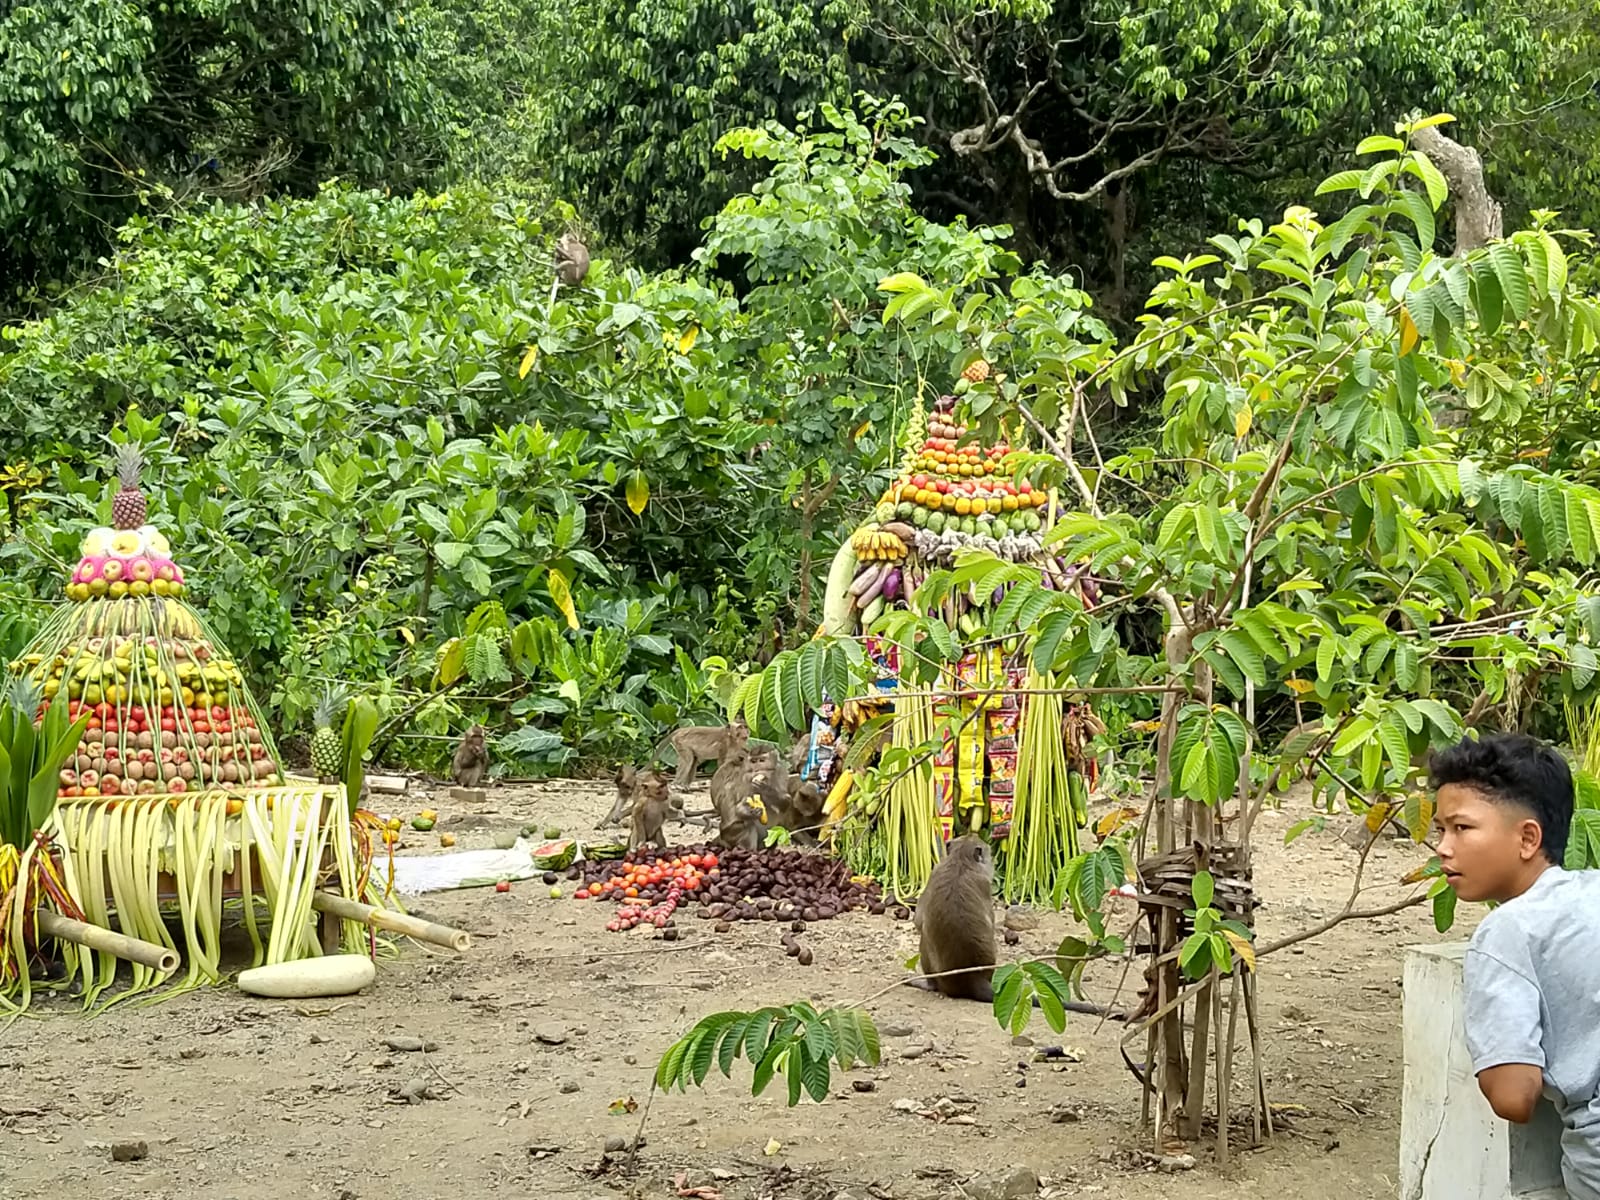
[629, 101]
[1541, 151]
[1314, 540]
[111, 105]
[1083, 122]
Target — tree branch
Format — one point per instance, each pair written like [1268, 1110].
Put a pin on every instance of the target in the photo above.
[1478, 218]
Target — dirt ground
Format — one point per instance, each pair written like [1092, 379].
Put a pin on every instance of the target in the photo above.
[244, 1099]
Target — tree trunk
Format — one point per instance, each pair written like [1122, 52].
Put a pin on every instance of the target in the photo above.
[1115, 202]
[1477, 212]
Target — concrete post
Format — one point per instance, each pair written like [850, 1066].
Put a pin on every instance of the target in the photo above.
[1452, 1146]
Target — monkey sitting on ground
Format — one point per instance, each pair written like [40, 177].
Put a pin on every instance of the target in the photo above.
[729, 782]
[696, 744]
[751, 772]
[471, 762]
[625, 779]
[802, 815]
[745, 825]
[955, 921]
[652, 804]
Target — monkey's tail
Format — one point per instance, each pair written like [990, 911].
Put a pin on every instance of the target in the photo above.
[1089, 1010]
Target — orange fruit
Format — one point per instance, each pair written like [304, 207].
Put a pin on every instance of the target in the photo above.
[979, 505]
[1008, 504]
[963, 505]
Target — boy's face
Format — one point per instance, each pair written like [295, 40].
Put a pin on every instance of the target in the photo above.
[1490, 850]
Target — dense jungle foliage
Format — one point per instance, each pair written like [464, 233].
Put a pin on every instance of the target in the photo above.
[302, 253]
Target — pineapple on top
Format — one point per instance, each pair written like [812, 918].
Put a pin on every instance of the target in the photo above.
[129, 509]
[327, 748]
[131, 558]
[167, 709]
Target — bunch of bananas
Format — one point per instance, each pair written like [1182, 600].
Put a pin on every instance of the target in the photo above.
[853, 714]
[874, 544]
[838, 801]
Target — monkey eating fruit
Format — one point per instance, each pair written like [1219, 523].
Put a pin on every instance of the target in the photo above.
[471, 762]
[955, 923]
[745, 825]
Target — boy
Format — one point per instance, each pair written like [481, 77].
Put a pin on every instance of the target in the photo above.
[1503, 808]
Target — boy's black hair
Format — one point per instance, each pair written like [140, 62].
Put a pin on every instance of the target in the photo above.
[1517, 769]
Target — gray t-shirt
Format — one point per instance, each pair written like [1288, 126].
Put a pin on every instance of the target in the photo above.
[1533, 996]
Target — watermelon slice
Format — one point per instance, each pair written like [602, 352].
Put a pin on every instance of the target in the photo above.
[555, 856]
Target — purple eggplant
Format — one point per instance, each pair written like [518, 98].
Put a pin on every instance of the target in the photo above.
[892, 580]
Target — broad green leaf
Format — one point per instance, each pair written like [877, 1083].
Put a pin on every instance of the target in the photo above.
[1421, 214]
[1393, 734]
[1327, 652]
[1508, 269]
[1579, 531]
[1556, 263]
[905, 281]
[1195, 957]
[1202, 775]
[1380, 143]
[1582, 660]
[1342, 181]
[1490, 297]
[1405, 665]
[1444, 910]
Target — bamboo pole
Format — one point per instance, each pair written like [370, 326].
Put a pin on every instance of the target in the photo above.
[107, 941]
[1220, 1067]
[378, 918]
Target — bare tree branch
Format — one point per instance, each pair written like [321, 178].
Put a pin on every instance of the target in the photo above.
[1477, 212]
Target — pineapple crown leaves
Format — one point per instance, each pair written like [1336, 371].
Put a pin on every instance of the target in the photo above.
[128, 463]
[23, 696]
[328, 704]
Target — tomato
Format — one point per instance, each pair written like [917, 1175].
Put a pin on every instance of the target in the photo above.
[630, 892]
[202, 726]
[581, 894]
[503, 886]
